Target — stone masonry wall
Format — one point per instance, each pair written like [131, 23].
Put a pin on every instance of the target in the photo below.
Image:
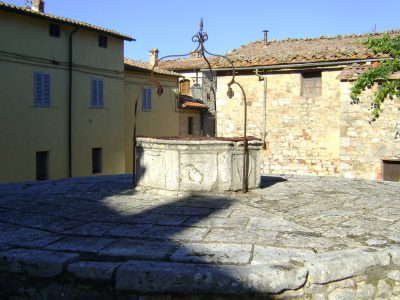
[302, 133]
[363, 146]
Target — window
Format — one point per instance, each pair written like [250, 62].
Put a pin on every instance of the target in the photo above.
[54, 30]
[97, 157]
[103, 41]
[190, 125]
[391, 170]
[97, 93]
[312, 84]
[146, 99]
[184, 87]
[41, 89]
[42, 165]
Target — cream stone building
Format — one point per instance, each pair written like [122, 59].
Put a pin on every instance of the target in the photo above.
[61, 96]
[298, 102]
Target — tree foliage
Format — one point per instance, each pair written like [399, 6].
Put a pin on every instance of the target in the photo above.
[387, 88]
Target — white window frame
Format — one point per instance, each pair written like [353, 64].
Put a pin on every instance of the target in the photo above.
[146, 99]
[97, 93]
[42, 89]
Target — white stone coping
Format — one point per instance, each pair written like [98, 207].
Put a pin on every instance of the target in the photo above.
[186, 142]
[175, 277]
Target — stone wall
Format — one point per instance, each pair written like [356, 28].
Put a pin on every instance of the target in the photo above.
[184, 122]
[302, 134]
[364, 145]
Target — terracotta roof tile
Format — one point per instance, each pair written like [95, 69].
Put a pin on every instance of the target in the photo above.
[352, 72]
[27, 11]
[289, 51]
[191, 63]
[195, 105]
[188, 102]
[141, 66]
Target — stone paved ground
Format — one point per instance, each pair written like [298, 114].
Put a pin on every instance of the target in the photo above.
[96, 228]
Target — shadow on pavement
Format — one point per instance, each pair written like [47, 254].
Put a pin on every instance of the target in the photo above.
[267, 181]
[153, 246]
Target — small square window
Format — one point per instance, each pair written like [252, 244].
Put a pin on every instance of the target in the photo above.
[391, 170]
[146, 100]
[54, 30]
[103, 41]
[97, 159]
[311, 84]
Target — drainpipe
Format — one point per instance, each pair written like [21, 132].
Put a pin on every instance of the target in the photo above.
[264, 111]
[70, 104]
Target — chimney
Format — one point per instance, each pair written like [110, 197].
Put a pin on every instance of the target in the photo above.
[38, 5]
[265, 38]
[153, 56]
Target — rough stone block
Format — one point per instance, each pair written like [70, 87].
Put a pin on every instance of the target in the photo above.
[337, 265]
[98, 271]
[383, 289]
[394, 275]
[148, 277]
[35, 262]
[342, 294]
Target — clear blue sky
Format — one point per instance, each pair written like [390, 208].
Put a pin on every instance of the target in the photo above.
[170, 25]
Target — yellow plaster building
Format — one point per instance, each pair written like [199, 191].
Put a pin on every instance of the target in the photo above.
[168, 114]
[61, 96]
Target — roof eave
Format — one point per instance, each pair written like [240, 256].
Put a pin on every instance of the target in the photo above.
[55, 19]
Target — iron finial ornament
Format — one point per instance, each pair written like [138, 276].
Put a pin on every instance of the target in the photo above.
[200, 38]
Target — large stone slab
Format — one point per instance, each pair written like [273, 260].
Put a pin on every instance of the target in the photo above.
[338, 265]
[164, 277]
[138, 249]
[93, 270]
[176, 233]
[213, 253]
[35, 262]
[80, 244]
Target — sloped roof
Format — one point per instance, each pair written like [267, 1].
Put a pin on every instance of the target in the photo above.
[353, 71]
[289, 51]
[186, 101]
[28, 12]
[191, 63]
[136, 65]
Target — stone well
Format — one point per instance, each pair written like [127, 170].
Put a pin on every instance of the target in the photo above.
[179, 166]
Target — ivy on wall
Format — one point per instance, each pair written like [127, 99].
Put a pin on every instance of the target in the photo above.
[387, 88]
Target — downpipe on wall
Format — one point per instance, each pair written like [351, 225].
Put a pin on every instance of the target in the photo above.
[70, 101]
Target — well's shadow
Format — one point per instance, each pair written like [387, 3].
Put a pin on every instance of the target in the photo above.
[268, 181]
[103, 220]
